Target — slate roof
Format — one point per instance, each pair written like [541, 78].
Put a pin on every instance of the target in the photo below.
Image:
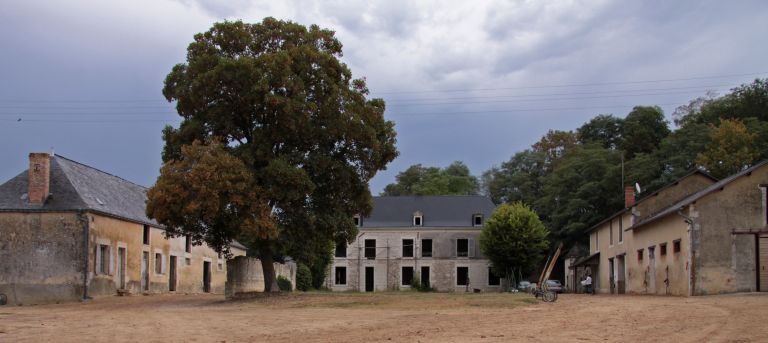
[437, 211]
[78, 187]
[698, 195]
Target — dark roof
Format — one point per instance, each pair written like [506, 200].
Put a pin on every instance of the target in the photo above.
[698, 195]
[673, 183]
[78, 187]
[437, 211]
[590, 260]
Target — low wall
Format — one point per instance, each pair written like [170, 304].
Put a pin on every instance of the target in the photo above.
[245, 275]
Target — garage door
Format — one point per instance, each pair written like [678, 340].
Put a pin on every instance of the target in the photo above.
[763, 264]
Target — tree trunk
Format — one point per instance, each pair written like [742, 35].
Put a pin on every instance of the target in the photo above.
[268, 267]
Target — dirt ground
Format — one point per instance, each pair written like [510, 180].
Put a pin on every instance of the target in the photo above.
[406, 316]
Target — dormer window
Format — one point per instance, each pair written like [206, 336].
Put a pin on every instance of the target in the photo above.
[418, 219]
[358, 220]
[477, 220]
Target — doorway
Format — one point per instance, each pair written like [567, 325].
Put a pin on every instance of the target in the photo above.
[207, 277]
[172, 275]
[612, 275]
[425, 277]
[762, 263]
[621, 286]
[145, 271]
[369, 279]
[652, 270]
[121, 267]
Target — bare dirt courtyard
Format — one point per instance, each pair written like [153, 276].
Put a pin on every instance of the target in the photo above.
[406, 316]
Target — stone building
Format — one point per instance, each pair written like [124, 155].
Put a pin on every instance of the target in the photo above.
[696, 236]
[69, 231]
[432, 239]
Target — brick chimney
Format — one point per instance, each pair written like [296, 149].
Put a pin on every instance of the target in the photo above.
[39, 177]
[629, 196]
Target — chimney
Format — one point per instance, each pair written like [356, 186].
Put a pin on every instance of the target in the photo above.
[39, 177]
[629, 196]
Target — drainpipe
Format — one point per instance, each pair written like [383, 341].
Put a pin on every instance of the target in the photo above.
[691, 270]
[83, 217]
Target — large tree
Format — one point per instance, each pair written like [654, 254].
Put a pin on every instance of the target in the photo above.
[729, 150]
[604, 129]
[455, 179]
[513, 239]
[282, 104]
[643, 129]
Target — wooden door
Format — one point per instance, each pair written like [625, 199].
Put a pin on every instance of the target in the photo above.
[763, 262]
[172, 274]
[121, 267]
[145, 271]
[206, 277]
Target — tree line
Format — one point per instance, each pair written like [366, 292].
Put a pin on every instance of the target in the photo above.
[573, 179]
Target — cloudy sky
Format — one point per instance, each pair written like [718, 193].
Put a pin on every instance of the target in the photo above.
[474, 81]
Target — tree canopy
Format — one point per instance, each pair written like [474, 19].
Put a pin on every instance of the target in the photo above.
[513, 239]
[454, 179]
[572, 185]
[289, 120]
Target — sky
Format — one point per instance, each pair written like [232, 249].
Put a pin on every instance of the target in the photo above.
[471, 81]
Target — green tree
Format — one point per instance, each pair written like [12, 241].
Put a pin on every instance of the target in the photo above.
[554, 145]
[584, 188]
[280, 101]
[513, 239]
[605, 130]
[643, 130]
[730, 149]
[455, 179]
[519, 179]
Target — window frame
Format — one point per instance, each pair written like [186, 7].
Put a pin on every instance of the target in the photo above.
[336, 270]
[475, 218]
[402, 275]
[498, 278]
[640, 255]
[338, 248]
[431, 247]
[467, 281]
[147, 235]
[412, 247]
[676, 246]
[366, 249]
[457, 247]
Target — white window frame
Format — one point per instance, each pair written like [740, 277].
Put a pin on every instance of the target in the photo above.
[98, 268]
[475, 217]
[413, 247]
[470, 246]
[162, 262]
[346, 275]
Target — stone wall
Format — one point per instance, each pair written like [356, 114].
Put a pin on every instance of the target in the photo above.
[245, 276]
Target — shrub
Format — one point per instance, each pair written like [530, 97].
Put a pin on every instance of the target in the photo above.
[284, 284]
[416, 285]
[303, 278]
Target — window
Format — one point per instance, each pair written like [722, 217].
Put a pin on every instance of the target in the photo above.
[676, 246]
[341, 276]
[462, 276]
[493, 279]
[418, 220]
[220, 264]
[462, 247]
[102, 259]
[407, 248]
[341, 249]
[426, 248]
[358, 220]
[663, 249]
[370, 249]
[188, 261]
[640, 255]
[610, 232]
[146, 234]
[621, 230]
[407, 278]
[158, 263]
[187, 244]
[477, 220]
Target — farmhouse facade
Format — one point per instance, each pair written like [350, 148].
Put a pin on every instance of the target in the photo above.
[430, 240]
[69, 231]
[696, 236]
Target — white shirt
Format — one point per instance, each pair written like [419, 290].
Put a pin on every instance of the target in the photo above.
[588, 281]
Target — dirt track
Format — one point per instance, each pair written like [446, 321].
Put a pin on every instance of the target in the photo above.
[413, 317]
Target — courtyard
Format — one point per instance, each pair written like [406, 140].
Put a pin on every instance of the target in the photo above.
[391, 316]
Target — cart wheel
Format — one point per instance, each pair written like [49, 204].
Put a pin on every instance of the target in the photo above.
[549, 296]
